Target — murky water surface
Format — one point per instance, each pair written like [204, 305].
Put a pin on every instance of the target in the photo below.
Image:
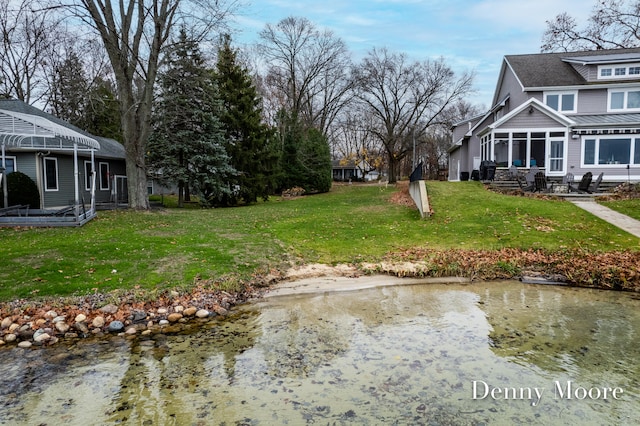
[490, 353]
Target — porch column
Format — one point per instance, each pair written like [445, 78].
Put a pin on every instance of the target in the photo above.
[75, 180]
[93, 182]
[5, 193]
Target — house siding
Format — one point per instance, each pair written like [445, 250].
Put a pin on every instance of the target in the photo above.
[592, 101]
[511, 86]
[535, 120]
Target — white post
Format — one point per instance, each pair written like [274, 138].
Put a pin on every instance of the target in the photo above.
[75, 180]
[5, 193]
[93, 182]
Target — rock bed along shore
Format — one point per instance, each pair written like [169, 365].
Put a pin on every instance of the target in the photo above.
[29, 324]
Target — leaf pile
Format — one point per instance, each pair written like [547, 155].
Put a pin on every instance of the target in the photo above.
[617, 270]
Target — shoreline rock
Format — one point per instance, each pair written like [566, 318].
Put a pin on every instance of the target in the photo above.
[39, 325]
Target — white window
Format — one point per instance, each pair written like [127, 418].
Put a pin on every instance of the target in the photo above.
[104, 176]
[611, 151]
[50, 174]
[88, 169]
[622, 71]
[561, 101]
[9, 165]
[624, 99]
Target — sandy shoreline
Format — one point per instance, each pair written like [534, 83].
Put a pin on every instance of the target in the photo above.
[326, 284]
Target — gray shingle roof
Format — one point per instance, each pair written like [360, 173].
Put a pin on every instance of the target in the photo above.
[549, 69]
[109, 148]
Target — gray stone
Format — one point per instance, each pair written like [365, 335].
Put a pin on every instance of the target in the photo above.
[109, 309]
[138, 316]
[41, 338]
[62, 327]
[59, 318]
[25, 344]
[81, 327]
[115, 327]
[202, 313]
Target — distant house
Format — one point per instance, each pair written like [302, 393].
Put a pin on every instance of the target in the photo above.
[349, 171]
[73, 170]
[573, 112]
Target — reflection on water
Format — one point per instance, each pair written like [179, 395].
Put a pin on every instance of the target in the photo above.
[394, 355]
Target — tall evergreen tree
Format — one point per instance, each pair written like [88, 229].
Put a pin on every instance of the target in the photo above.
[306, 156]
[90, 105]
[249, 142]
[187, 144]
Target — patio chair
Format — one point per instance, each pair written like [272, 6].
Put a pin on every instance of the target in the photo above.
[513, 172]
[540, 182]
[529, 182]
[593, 188]
[584, 184]
[568, 180]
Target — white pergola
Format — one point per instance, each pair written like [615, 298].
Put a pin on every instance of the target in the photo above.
[32, 132]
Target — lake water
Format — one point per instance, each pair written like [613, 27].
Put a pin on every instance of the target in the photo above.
[485, 353]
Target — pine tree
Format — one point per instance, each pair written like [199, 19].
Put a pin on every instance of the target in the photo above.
[249, 142]
[187, 144]
[306, 156]
[90, 105]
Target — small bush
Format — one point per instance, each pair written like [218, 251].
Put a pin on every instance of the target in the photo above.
[22, 190]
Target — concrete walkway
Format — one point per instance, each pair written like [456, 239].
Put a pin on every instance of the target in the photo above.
[620, 220]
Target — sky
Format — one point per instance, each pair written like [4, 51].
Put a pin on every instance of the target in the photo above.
[471, 35]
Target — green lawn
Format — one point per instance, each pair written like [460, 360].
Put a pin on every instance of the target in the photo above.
[629, 207]
[173, 247]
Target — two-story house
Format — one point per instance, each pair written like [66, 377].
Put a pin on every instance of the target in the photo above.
[572, 112]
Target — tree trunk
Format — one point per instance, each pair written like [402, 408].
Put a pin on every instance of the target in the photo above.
[180, 194]
[394, 167]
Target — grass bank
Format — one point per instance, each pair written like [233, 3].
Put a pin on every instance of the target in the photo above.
[176, 248]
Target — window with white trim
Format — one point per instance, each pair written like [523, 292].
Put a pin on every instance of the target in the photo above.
[611, 151]
[624, 99]
[621, 71]
[104, 176]
[50, 173]
[88, 169]
[561, 101]
[9, 165]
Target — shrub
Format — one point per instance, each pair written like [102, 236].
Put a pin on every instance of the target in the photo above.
[22, 190]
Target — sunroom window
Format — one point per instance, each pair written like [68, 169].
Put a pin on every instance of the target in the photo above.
[611, 151]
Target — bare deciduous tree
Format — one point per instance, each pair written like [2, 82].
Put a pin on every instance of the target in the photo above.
[406, 98]
[134, 34]
[26, 44]
[355, 143]
[612, 24]
[308, 70]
